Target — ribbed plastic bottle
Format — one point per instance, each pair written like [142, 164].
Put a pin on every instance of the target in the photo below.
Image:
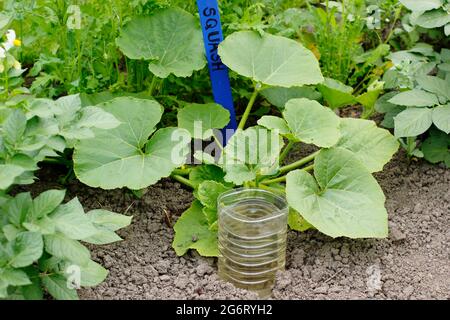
[252, 238]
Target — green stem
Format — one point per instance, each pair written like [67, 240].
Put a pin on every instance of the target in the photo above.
[183, 180]
[286, 150]
[152, 85]
[298, 163]
[274, 190]
[396, 17]
[182, 172]
[283, 178]
[248, 109]
[275, 180]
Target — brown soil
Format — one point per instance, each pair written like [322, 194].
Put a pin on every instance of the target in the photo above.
[413, 263]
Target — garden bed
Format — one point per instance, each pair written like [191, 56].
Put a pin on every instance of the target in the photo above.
[413, 262]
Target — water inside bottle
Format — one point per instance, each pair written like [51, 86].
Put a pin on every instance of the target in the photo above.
[252, 244]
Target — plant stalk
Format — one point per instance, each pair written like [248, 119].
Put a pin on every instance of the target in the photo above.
[248, 109]
[298, 163]
[286, 150]
[183, 180]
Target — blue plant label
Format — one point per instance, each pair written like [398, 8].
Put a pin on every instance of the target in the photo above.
[220, 81]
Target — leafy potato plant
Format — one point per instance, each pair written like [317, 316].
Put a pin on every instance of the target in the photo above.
[40, 249]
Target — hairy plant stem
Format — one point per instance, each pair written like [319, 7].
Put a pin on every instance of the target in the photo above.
[152, 85]
[286, 150]
[248, 109]
[299, 163]
[181, 172]
[183, 180]
[271, 189]
[283, 178]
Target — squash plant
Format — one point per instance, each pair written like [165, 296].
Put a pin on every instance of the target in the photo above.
[332, 189]
[341, 198]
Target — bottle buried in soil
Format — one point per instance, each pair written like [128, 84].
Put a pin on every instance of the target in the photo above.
[252, 238]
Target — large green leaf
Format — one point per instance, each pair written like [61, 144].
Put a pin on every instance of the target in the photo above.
[91, 274]
[441, 118]
[278, 96]
[123, 156]
[421, 5]
[373, 146]
[433, 19]
[25, 249]
[14, 277]
[436, 148]
[199, 119]
[415, 98]
[192, 232]
[335, 93]
[413, 121]
[170, 39]
[310, 122]
[435, 85]
[239, 173]
[269, 59]
[46, 202]
[62, 247]
[57, 286]
[107, 219]
[8, 174]
[71, 220]
[274, 123]
[342, 200]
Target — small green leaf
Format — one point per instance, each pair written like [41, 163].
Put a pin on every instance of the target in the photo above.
[255, 146]
[239, 173]
[170, 39]
[14, 127]
[342, 200]
[208, 192]
[269, 59]
[373, 146]
[109, 220]
[200, 119]
[58, 287]
[192, 232]
[415, 98]
[413, 121]
[336, 94]
[310, 122]
[278, 96]
[202, 173]
[46, 202]
[25, 249]
[297, 222]
[62, 247]
[441, 118]
[274, 123]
